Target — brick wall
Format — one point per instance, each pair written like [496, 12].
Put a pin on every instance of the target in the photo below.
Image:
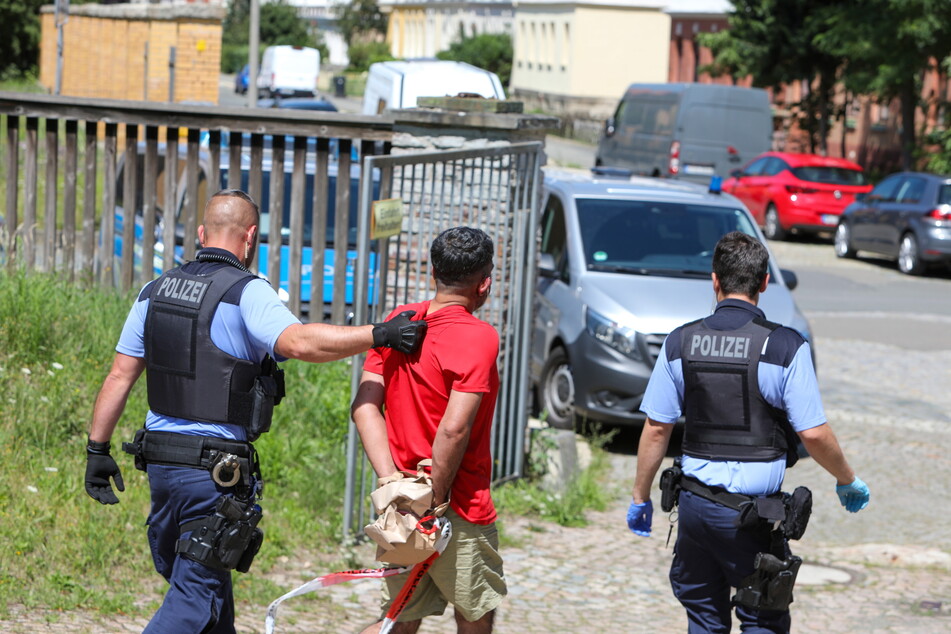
[104, 51]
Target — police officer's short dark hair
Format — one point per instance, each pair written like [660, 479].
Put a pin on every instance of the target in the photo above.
[461, 256]
[741, 262]
[237, 193]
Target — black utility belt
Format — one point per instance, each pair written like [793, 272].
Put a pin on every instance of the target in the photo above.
[229, 461]
[785, 512]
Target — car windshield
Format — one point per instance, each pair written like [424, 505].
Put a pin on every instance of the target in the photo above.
[830, 175]
[655, 238]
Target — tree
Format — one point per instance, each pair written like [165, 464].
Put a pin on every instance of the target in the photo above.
[774, 42]
[19, 37]
[887, 44]
[360, 20]
[492, 52]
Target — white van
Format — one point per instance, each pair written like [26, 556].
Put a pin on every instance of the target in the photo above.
[289, 71]
[689, 131]
[399, 84]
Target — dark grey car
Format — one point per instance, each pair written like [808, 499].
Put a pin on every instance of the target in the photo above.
[906, 217]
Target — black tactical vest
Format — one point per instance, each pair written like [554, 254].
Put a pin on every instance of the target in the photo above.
[189, 376]
[727, 417]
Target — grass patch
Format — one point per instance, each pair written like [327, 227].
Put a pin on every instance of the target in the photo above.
[59, 548]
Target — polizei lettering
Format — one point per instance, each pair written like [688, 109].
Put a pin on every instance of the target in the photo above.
[720, 346]
[183, 290]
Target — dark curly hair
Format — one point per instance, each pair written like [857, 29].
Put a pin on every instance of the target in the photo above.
[461, 256]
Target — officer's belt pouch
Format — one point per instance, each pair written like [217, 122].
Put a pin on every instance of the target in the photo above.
[264, 395]
[798, 511]
[770, 586]
[228, 539]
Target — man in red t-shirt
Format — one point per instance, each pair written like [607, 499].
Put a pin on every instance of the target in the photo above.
[438, 403]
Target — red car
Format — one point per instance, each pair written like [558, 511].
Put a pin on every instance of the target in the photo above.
[797, 192]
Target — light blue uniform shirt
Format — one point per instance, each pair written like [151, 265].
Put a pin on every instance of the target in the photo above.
[248, 331]
[787, 381]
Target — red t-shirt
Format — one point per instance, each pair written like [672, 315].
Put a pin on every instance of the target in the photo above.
[458, 353]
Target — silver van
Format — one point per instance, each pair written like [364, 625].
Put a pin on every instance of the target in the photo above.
[622, 262]
[688, 131]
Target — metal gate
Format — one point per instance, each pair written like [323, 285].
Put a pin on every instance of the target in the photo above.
[494, 189]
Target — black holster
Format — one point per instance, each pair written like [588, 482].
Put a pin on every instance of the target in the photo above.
[228, 539]
[670, 486]
[770, 587]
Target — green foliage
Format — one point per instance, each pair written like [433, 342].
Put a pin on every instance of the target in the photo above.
[19, 37]
[360, 20]
[491, 51]
[528, 496]
[61, 549]
[279, 25]
[939, 159]
[362, 54]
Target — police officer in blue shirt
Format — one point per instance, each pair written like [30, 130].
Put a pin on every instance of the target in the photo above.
[746, 388]
[208, 334]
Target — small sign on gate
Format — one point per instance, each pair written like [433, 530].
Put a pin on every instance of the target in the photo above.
[387, 218]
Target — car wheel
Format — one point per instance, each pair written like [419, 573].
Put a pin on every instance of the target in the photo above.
[909, 257]
[774, 229]
[558, 391]
[843, 241]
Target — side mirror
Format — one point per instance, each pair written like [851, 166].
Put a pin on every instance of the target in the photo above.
[546, 265]
[610, 127]
[736, 173]
[790, 278]
[861, 196]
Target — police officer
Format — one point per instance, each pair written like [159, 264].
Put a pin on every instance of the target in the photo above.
[743, 385]
[208, 334]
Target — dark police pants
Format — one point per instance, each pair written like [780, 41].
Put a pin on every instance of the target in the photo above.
[199, 599]
[711, 557]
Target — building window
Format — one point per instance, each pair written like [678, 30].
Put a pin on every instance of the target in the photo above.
[566, 46]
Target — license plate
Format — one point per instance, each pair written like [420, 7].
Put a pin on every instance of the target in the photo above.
[829, 219]
[701, 170]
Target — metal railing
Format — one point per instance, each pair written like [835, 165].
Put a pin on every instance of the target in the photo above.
[497, 190]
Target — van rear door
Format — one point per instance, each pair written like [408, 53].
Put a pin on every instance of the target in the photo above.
[717, 138]
[643, 131]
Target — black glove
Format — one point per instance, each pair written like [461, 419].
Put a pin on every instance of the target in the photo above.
[99, 468]
[400, 333]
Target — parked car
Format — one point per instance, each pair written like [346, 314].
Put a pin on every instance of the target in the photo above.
[399, 84]
[299, 103]
[266, 239]
[622, 263]
[906, 217]
[242, 80]
[788, 192]
[288, 71]
[688, 131]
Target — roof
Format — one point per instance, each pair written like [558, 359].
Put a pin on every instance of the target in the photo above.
[796, 159]
[583, 184]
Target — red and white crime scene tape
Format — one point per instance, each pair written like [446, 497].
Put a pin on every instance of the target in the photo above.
[328, 580]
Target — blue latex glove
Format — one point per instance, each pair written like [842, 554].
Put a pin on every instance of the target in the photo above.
[639, 518]
[854, 497]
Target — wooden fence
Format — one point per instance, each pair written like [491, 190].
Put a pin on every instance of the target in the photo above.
[62, 156]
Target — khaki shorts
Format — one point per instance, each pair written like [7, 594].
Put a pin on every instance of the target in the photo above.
[468, 574]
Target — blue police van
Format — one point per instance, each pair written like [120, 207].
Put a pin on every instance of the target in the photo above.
[267, 241]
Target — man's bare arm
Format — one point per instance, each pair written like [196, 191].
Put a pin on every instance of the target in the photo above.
[452, 439]
[651, 450]
[319, 343]
[113, 395]
[824, 448]
[367, 414]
